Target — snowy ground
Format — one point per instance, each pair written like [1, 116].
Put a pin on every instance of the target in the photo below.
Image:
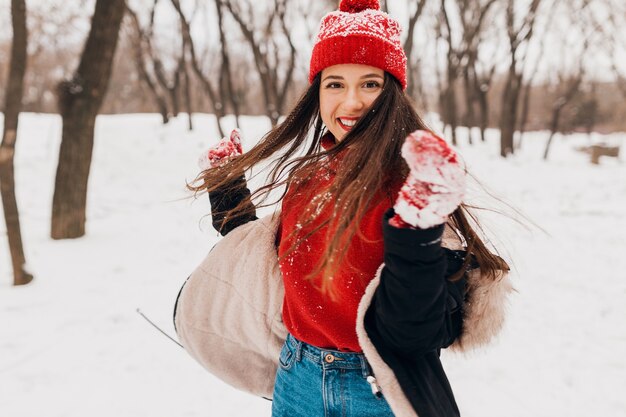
[71, 343]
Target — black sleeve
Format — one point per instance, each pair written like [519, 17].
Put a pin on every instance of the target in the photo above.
[413, 309]
[224, 200]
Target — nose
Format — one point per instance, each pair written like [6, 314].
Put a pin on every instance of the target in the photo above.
[353, 100]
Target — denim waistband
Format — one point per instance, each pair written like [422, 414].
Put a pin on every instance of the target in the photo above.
[329, 359]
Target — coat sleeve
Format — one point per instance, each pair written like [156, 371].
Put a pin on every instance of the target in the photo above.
[227, 199]
[415, 310]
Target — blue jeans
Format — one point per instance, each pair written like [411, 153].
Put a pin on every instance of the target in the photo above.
[312, 382]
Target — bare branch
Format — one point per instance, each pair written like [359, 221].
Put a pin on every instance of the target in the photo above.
[195, 65]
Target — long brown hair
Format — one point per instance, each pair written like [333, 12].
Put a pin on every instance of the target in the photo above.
[371, 163]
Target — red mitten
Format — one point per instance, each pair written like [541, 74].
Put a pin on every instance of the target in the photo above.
[221, 153]
[435, 185]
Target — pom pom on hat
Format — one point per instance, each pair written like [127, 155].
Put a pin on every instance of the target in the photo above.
[356, 6]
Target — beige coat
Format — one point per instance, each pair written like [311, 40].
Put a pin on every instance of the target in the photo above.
[229, 313]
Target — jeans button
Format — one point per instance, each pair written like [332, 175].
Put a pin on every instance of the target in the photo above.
[329, 358]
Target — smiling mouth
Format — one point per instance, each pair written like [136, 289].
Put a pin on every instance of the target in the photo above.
[346, 124]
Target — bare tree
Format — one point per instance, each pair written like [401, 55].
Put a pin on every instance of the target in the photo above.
[460, 53]
[413, 65]
[209, 88]
[526, 94]
[170, 82]
[80, 99]
[266, 52]
[12, 108]
[153, 73]
[569, 85]
[615, 43]
[476, 84]
[415, 82]
[52, 46]
[481, 76]
[447, 93]
[469, 118]
[186, 88]
[587, 111]
[568, 91]
[526, 89]
[142, 45]
[518, 37]
[620, 79]
[227, 89]
[310, 14]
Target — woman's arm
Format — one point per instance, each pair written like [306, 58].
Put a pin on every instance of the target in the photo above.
[414, 303]
[235, 192]
[227, 199]
[411, 309]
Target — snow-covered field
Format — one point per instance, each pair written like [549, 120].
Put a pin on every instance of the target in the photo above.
[72, 344]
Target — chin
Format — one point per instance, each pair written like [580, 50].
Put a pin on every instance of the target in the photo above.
[339, 136]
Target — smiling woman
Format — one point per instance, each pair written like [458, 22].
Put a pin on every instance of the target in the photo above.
[346, 92]
[345, 302]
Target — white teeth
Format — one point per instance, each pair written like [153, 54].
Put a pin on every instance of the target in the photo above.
[348, 122]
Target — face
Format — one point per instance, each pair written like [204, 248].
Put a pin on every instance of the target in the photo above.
[346, 93]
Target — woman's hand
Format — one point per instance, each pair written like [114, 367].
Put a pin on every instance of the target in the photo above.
[220, 154]
[435, 185]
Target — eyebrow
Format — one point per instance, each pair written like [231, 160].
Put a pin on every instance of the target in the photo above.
[339, 77]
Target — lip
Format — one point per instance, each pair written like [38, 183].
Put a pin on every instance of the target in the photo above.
[344, 127]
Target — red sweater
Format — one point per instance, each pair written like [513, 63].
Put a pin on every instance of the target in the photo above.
[309, 315]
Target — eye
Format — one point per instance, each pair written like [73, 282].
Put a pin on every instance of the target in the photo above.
[371, 84]
[333, 85]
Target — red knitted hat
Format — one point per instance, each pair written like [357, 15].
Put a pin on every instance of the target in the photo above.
[359, 33]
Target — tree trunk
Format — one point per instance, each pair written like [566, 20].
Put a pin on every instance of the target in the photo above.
[557, 108]
[79, 102]
[158, 98]
[469, 118]
[12, 107]
[408, 48]
[548, 144]
[449, 113]
[524, 116]
[554, 127]
[592, 111]
[508, 117]
[482, 85]
[450, 105]
[187, 92]
[510, 98]
[483, 106]
[172, 88]
[207, 85]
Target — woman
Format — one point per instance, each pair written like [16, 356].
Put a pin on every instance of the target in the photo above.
[338, 304]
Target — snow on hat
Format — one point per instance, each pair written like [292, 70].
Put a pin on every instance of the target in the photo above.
[359, 33]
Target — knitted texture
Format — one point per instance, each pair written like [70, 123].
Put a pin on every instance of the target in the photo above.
[359, 33]
[308, 314]
[355, 6]
[436, 183]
